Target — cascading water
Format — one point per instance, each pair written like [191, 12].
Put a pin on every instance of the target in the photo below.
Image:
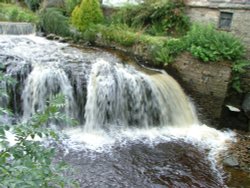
[137, 127]
[120, 95]
[41, 84]
[11, 28]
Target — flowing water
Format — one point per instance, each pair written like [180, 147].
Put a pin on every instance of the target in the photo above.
[21, 28]
[136, 128]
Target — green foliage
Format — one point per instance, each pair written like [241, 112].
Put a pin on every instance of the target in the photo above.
[118, 34]
[52, 20]
[9, 12]
[90, 34]
[87, 14]
[175, 45]
[163, 56]
[5, 1]
[70, 5]
[28, 163]
[165, 53]
[32, 4]
[158, 17]
[238, 69]
[207, 44]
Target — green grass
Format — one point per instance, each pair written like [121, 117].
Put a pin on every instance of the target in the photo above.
[14, 13]
[128, 37]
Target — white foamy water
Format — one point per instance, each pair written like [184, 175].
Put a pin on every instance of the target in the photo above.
[199, 135]
[41, 85]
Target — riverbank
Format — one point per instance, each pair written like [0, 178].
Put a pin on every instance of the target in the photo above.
[236, 161]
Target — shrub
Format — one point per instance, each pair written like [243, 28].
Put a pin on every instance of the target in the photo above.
[9, 12]
[52, 20]
[164, 17]
[5, 1]
[88, 13]
[28, 163]
[207, 44]
[164, 53]
[70, 5]
[163, 56]
[33, 4]
[238, 68]
[90, 34]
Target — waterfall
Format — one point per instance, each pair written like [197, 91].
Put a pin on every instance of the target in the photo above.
[42, 83]
[11, 28]
[136, 126]
[101, 91]
[120, 95]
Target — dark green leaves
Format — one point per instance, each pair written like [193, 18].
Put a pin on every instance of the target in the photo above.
[209, 45]
[27, 162]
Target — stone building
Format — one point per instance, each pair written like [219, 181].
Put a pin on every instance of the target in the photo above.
[230, 15]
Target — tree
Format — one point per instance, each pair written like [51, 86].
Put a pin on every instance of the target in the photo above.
[88, 13]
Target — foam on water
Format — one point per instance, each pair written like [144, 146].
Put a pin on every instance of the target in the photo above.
[200, 135]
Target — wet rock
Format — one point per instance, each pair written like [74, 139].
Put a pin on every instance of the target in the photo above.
[64, 39]
[246, 105]
[51, 36]
[231, 161]
[240, 150]
[207, 84]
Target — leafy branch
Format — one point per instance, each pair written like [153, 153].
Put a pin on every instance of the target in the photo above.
[27, 162]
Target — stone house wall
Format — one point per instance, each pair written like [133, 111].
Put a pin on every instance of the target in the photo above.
[208, 11]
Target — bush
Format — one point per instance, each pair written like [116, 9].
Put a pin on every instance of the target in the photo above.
[33, 4]
[9, 12]
[164, 17]
[207, 44]
[120, 35]
[5, 1]
[239, 68]
[52, 20]
[70, 5]
[88, 13]
[162, 56]
[165, 53]
[28, 163]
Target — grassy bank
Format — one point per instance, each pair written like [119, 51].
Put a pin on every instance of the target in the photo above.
[15, 13]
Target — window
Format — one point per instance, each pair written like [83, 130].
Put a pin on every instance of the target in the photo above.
[225, 20]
